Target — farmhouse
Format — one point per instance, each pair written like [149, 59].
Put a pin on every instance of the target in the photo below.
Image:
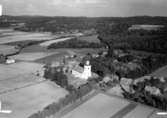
[10, 61]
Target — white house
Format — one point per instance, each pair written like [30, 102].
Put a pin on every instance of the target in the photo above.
[10, 61]
[83, 73]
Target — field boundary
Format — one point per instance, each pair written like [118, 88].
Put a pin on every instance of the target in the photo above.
[29, 85]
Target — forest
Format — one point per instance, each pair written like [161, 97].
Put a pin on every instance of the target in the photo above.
[58, 24]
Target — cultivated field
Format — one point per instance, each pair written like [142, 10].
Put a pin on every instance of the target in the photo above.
[48, 43]
[32, 56]
[100, 106]
[26, 101]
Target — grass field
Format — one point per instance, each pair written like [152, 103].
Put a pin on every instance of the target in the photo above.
[26, 101]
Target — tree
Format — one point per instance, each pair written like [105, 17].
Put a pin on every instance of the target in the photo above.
[57, 76]
[109, 33]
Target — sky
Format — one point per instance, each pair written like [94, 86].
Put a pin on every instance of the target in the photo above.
[89, 8]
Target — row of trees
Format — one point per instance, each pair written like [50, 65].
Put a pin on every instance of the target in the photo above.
[75, 43]
[73, 96]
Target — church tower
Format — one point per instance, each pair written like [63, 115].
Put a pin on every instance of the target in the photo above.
[87, 70]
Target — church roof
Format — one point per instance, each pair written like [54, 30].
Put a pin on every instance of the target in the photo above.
[78, 69]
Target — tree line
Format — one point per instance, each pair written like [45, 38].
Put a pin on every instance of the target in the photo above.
[75, 43]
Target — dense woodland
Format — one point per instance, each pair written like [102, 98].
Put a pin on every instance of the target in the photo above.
[57, 24]
[118, 36]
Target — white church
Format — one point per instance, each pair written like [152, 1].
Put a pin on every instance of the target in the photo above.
[83, 73]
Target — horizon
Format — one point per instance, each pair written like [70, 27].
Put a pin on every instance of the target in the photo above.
[82, 16]
[85, 8]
